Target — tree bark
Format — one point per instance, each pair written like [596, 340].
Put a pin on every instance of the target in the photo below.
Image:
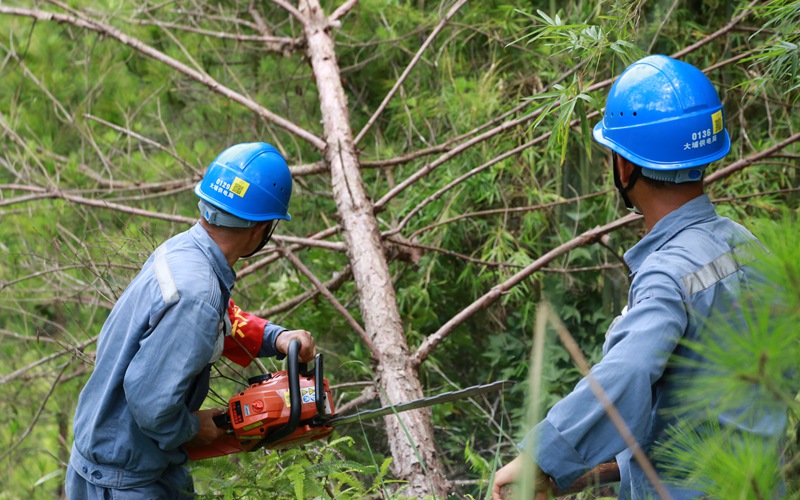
[398, 380]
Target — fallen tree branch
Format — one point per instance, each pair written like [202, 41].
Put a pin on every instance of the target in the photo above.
[498, 211]
[202, 78]
[497, 291]
[745, 162]
[332, 284]
[328, 295]
[38, 413]
[583, 239]
[408, 69]
[74, 350]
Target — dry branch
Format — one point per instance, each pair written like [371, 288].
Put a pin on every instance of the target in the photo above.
[407, 71]
[278, 44]
[585, 238]
[497, 211]
[202, 78]
[38, 413]
[497, 291]
[339, 278]
[74, 350]
[342, 10]
[328, 295]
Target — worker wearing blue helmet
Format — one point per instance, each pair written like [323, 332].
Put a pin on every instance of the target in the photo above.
[174, 320]
[664, 124]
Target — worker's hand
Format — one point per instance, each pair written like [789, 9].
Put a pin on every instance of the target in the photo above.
[512, 472]
[307, 347]
[209, 432]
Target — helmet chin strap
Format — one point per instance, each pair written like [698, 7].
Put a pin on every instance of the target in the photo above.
[267, 235]
[623, 190]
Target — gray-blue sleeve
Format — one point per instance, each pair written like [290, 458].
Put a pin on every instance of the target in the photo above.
[271, 332]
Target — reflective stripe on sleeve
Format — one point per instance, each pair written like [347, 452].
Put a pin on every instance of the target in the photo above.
[718, 269]
[169, 291]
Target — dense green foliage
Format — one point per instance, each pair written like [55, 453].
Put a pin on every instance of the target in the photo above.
[89, 125]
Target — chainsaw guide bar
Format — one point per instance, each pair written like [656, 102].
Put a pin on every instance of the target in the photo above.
[445, 397]
[293, 407]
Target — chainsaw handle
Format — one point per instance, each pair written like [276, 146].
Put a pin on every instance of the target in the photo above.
[223, 420]
[319, 386]
[292, 365]
[319, 382]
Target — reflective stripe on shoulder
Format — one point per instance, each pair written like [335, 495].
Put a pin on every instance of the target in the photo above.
[718, 269]
[164, 276]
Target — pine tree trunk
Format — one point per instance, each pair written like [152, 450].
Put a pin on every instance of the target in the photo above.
[399, 381]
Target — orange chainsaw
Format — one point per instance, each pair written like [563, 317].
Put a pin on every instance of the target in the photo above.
[292, 407]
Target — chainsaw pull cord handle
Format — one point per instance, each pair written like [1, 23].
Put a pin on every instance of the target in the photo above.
[292, 365]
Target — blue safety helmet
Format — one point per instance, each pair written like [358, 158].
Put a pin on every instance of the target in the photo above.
[665, 116]
[249, 181]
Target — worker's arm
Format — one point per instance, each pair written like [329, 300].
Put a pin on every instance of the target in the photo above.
[254, 337]
[577, 435]
[167, 363]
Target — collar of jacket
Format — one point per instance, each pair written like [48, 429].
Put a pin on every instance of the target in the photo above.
[226, 275]
[689, 213]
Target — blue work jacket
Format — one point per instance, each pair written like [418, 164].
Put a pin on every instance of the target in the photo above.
[153, 355]
[692, 263]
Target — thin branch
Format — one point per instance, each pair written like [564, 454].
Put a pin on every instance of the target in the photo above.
[332, 284]
[475, 171]
[497, 291]
[56, 103]
[275, 255]
[342, 10]
[291, 9]
[277, 44]
[729, 199]
[453, 254]
[5, 284]
[202, 78]
[38, 414]
[368, 394]
[408, 69]
[80, 200]
[438, 194]
[745, 162]
[328, 295]
[336, 246]
[70, 349]
[447, 145]
[146, 140]
[27, 338]
[422, 172]
[498, 211]
[710, 38]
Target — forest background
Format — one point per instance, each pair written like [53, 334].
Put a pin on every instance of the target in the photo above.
[446, 185]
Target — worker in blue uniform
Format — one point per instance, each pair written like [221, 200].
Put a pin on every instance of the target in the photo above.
[664, 124]
[142, 402]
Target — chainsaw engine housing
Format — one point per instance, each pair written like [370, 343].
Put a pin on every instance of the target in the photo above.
[268, 415]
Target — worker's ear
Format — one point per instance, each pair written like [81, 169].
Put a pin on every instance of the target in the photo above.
[257, 231]
[624, 169]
